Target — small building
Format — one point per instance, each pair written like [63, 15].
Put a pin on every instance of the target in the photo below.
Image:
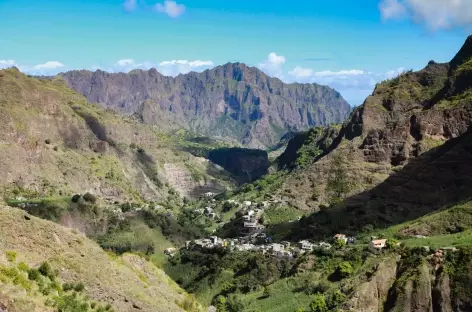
[305, 245]
[378, 244]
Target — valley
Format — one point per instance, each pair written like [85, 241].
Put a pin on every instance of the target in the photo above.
[229, 190]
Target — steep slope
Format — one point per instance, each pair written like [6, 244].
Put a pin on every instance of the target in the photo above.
[53, 141]
[127, 283]
[404, 118]
[232, 100]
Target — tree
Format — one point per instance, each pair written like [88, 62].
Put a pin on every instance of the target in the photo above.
[339, 243]
[392, 243]
[334, 299]
[345, 269]
[318, 304]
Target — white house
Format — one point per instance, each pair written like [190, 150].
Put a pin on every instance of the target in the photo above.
[378, 244]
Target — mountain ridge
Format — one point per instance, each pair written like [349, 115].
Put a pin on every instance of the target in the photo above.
[231, 100]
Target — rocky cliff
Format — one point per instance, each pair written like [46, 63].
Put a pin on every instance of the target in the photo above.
[233, 100]
[396, 141]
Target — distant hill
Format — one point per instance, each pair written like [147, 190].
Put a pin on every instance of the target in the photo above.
[233, 101]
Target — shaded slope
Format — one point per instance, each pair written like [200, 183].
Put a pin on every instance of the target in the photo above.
[231, 100]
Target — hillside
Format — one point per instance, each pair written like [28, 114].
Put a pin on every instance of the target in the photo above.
[232, 100]
[108, 282]
[392, 145]
[54, 142]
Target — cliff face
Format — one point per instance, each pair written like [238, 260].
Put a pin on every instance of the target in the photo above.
[232, 100]
[404, 118]
[418, 282]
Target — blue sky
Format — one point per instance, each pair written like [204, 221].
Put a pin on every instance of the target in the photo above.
[347, 44]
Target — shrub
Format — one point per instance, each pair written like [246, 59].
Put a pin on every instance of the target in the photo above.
[47, 141]
[339, 243]
[334, 299]
[76, 198]
[318, 304]
[79, 287]
[23, 267]
[345, 269]
[67, 286]
[11, 255]
[392, 243]
[33, 274]
[46, 270]
[90, 198]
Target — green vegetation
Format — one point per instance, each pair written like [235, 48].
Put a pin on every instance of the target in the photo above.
[42, 282]
[308, 152]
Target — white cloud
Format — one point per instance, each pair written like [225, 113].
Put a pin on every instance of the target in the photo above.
[434, 14]
[354, 84]
[7, 63]
[176, 67]
[49, 65]
[273, 66]
[391, 9]
[126, 62]
[300, 72]
[129, 5]
[171, 8]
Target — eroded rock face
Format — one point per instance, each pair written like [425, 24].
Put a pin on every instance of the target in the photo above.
[232, 100]
[371, 295]
[404, 124]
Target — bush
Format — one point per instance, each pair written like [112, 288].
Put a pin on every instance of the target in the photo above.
[345, 269]
[76, 198]
[79, 287]
[11, 255]
[33, 274]
[46, 270]
[23, 267]
[318, 304]
[90, 198]
[339, 243]
[47, 141]
[334, 299]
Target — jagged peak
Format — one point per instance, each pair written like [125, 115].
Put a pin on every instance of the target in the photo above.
[464, 54]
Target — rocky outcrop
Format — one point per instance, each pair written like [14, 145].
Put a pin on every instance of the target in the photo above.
[232, 100]
[404, 124]
[371, 295]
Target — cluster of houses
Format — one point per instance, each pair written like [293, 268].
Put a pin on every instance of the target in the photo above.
[261, 243]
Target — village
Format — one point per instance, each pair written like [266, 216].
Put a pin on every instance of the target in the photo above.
[253, 235]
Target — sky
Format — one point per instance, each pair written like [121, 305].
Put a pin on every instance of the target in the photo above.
[349, 45]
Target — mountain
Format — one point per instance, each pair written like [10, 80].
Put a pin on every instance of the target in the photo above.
[397, 141]
[53, 142]
[232, 100]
